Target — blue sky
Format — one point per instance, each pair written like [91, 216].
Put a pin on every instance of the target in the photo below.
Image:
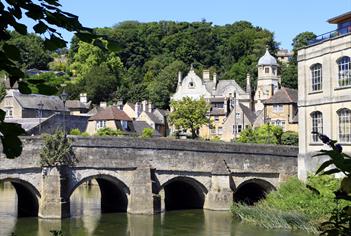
[285, 18]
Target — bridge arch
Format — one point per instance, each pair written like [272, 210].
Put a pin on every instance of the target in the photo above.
[252, 191]
[27, 197]
[114, 192]
[183, 193]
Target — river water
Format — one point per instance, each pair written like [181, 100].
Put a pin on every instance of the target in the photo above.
[87, 220]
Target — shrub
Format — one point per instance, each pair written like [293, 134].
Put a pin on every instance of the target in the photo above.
[290, 138]
[109, 132]
[147, 133]
[57, 150]
[216, 139]
[75, 131]
[85, 134]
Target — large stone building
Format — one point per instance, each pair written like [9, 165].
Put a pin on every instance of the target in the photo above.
[232, 108]
[324, 74]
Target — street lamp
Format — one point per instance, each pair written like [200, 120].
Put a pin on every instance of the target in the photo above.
[64, 97]
[40, 114]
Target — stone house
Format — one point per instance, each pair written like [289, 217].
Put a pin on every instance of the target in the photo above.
[110, 117]
[79, 107]
[324, 78]
[281, 109]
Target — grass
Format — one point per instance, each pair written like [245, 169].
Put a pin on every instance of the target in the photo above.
[294, 206]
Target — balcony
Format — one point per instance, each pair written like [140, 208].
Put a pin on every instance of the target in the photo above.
[330, 35]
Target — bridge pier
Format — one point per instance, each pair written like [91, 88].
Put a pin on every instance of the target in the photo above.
[54, 202]
[142, 199]
[220, 195]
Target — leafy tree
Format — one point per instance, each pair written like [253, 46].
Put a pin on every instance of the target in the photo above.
[267, 133]
[57, 150]
[109, 132]
[46, 83]
[289, 75]
[290, 138]
[189, 114]
[147, 133]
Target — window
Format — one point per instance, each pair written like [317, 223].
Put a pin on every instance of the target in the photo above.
[220, 130]
[213, 131]
[8, 113]
[280, 123]
[100, 124]
[316, 77]
[344, 75]
[278, 108]
[124, 125]
[266, 70]
[216, 118]
[238, 115]
[317, 124]
[344, 125]
[237, 129]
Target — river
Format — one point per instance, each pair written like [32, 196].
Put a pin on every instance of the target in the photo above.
[87, 220]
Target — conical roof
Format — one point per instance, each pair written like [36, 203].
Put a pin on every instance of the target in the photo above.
[267, 60]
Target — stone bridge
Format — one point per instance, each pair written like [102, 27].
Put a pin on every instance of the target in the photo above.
[148, 176]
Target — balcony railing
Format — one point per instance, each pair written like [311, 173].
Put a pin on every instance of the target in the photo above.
[330, 35]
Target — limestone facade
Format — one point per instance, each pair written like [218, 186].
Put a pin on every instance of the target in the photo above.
[324, 76]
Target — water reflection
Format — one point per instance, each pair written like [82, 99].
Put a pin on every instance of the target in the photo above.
[87, 220]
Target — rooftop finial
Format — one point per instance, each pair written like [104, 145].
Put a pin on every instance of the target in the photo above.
[191, 66]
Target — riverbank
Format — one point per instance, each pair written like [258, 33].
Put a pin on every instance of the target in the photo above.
[294, 206]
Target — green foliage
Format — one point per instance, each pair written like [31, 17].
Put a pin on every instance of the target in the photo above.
[85, 134]
[290, 138]
[289, 75]
[75, 131]
[46, 83]
[295, 205]
[147, 133]
[57, 150]
[109, 132]
[340, 221]
[216, 139]
[265, 134]
[189, 114]
[2, 91]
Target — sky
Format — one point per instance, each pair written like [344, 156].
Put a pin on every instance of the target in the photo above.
[285, 18]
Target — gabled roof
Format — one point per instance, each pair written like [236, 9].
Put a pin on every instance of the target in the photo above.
[154, 118]
[251, 116]
[283, 96]
[215, 111]
[110, 113]
[31, 101]
[162, 111]
[139, 126]
[131, 105]
[95, 110]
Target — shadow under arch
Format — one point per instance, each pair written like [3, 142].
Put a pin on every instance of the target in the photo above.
[251, 191]
[183, 193]
[114, 193]
[27, 197]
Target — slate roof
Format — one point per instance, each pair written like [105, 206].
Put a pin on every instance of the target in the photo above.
[222, 86]
[31, 101]
[154, 118]
[26, 123]
[110, 113]
[251, 116]
[139, 126]
[283, 96]
[215, 111]
[95, 110]
[76, 104]
[162, 111]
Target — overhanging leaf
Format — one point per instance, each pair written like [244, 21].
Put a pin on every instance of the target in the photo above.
[324, 165]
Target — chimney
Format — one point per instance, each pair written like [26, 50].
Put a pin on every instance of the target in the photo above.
[206, 75]
[103, 104]
[83, 98]
[248, 83]
[150, 107]
[144, 105]
[179, 78]
[120, 105]
[137, 109]
[214, 81]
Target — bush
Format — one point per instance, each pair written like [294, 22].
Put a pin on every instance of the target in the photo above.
[290, 138]
[147, 133]
[85, 134]
[109, 132]
[216, 139]
[270, 134]
[75, 132]
[57, 150]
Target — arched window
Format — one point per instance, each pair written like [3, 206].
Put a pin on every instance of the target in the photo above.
[316, 71]
[344, 125]
[317, 124]
[344, 73]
